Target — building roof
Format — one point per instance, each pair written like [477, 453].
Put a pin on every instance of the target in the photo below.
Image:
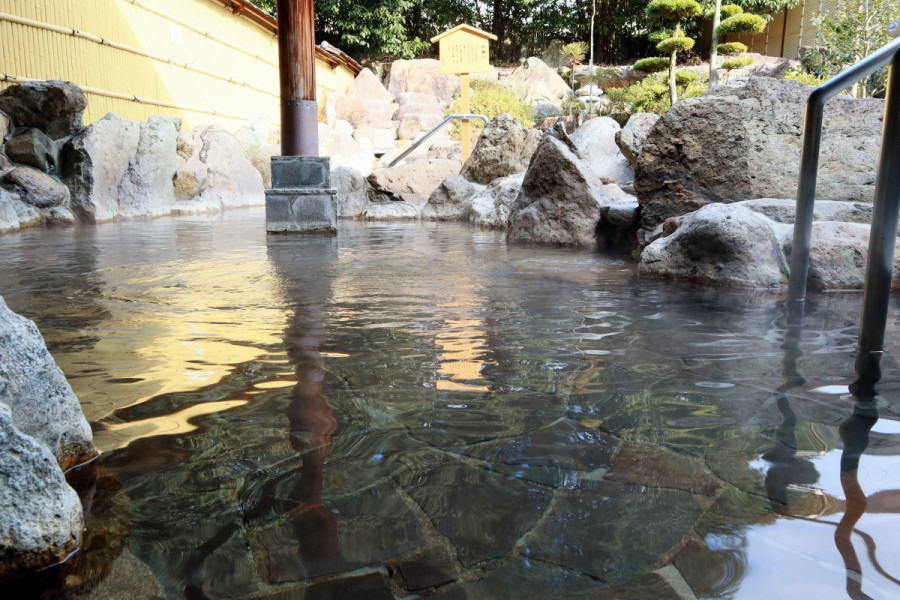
[327, 53]
[467, 29]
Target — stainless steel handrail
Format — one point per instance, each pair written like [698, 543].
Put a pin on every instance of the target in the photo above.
[883, 235]
[434, 130]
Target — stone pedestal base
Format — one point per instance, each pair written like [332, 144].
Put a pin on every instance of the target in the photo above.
[301, 198]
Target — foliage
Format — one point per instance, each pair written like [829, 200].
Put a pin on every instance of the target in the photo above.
[673, 10]
[800, 74]
[491, 99]
[686, 77]
[769, 7]
[659, 35]
[726, 11]
[742, 23]
[853, 31]
[653, 64]
[675, 44]
[732, 48]
[738, 62]
[649, 95]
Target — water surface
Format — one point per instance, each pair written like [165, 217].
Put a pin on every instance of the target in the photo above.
[410, 410]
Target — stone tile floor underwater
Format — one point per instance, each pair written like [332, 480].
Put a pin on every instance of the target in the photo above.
[424, 411]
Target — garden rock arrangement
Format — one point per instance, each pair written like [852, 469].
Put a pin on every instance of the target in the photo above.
[53, 169]
[716, 181]
[42, 433]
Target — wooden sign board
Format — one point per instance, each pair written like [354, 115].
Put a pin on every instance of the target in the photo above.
[464, 49]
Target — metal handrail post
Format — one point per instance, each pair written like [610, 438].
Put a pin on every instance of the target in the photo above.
[882, 240]
[434, 130]
[809, 164]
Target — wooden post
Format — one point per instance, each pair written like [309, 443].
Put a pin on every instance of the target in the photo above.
[466, 131]
[297, 66]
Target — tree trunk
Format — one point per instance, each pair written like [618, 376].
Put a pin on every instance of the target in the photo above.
[673, 91]
[714, 51]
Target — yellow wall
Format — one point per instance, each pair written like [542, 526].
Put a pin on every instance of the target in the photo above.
[786, 38]
[216, 45]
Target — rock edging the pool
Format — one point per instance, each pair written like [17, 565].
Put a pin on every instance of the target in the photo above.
[42, 433]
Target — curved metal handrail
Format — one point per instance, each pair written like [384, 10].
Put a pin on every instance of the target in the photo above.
[434, 130]
[883, 235]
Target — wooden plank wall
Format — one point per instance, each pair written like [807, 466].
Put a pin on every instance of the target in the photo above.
[788, 31]
[238, 58]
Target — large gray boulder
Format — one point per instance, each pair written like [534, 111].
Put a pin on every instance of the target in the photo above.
[94, 162]
[838, 255]
[367, 94]
[413, 182]
[5, 125]
[351, 199]
[9, 218]
[560, 199]
[784, 210]
[36, 391]
[253, 133]
[451, 200]
[147, 188]
[41, 519]
[490, 208]
[191, 178]
[631, 138]
[720, 244]
[54, 107]
[233, 180]
[504, 147]
[391, 211]
[596, 143]
[35, 187]
[423, 76]
[741, 141]
[538, 85]
[32, 147]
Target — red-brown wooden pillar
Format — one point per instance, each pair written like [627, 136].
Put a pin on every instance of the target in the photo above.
[297, 65]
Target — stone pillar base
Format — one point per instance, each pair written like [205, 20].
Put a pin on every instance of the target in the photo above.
[301, 198]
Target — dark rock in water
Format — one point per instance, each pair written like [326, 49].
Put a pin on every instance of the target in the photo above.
[33, 148]
[413, 182]
[490, 208]
[42, 402]
[719, 244]
[41, 520]
[351, 198]
[54, 107]
[451, 200]
[505, 147]
[35, 187]
[741, 141]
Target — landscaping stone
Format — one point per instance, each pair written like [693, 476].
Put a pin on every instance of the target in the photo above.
[838, 255]
[445, 149]
[351, 199]
[367, 86]
[538, 85]
[184, 144]
[653, 465]
[596, 143]
[233, 180]
[33, 148]
[9, 218]
[262, 160]
[423, 76]
[333, 143]
[560, 200]
[5, 164]
[589, 90]
[192, 178]
[380, 138]
[390, 211]
[5, 126]
[612, 531]
[36, 391]
[630, 139]
[482, 514]
[783, 210]
[553, 56]
[41, 520]
[741, 141]
[28, 215]
[412, 125]
[491, 207]
[147, 187]
[618, 227]
[54, 107]
[405, 98]
[413, 182]
[253, 133]
[451, 200]
[35, 187]
[719, 244]
[504, 147]
[94, 162]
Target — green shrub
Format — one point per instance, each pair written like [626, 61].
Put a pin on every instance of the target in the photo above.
[742, 23]
[685, 77]
[491, 99]
[653, 64]
[677, 44]
[731, 48]
[801, 75]
[649, 95]
[738, 62]
[673, 10]
[729, 10]
[659, 35]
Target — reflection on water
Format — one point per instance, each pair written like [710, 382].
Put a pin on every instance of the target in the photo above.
[410, 411]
